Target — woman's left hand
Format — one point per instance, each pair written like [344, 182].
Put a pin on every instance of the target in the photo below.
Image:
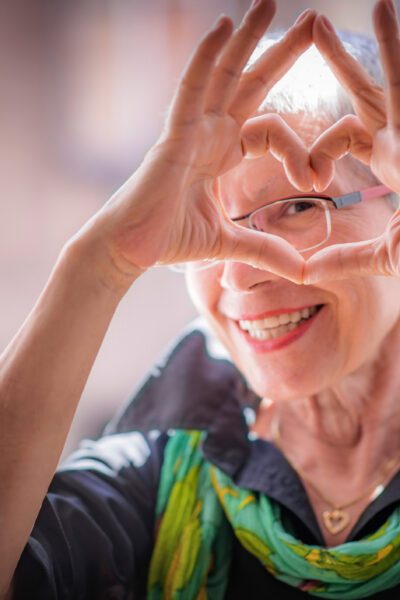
[372, 136]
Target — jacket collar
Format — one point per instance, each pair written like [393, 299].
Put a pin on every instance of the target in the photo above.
[195, 385]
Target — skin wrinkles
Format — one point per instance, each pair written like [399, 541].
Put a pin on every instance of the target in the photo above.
[336, 386]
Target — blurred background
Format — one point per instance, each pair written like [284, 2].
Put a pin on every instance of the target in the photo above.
[84, 88]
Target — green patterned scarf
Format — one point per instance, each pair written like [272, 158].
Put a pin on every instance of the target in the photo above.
[198, 506]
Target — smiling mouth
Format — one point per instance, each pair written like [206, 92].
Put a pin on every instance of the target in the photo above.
[279, 325]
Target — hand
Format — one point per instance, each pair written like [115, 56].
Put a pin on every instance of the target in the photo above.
[372, 136]
[167, 211]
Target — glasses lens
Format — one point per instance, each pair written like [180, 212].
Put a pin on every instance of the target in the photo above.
[303, 222]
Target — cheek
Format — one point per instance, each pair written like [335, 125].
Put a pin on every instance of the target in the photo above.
[204, 289]
[365, 310]
[360, 313]
[359, 223]
[205, 292]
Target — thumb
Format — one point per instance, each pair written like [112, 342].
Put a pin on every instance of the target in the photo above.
[262, 251]
[345, 260]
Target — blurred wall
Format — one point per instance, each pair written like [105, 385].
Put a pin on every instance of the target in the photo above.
[84, 89]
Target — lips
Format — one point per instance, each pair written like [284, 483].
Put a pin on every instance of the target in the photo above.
[269, 337]
[274, 322]
[247, 316]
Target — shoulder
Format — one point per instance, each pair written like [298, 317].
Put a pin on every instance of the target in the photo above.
[186, 387]
[96, 523]
[112, 454]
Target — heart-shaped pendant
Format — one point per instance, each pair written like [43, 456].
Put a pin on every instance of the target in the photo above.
[335, 520]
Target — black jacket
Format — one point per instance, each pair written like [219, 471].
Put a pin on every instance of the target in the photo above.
[93, 538]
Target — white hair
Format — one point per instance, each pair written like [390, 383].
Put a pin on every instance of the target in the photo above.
[311, 88]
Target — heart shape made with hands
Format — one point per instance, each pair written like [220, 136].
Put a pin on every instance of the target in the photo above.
[313, 168]
[372, 136]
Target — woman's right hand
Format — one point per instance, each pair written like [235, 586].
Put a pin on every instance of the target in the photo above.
[167, 212]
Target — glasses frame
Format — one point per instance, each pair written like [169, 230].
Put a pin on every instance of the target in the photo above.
[319, 199]
[343, 201]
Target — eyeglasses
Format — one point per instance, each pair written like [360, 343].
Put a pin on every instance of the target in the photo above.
[304, 220]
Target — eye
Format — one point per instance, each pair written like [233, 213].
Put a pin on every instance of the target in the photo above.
[299, 206]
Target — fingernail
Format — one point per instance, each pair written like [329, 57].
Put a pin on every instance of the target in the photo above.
[327, 24]
[256, 3]
[302, 16]
[218, 22]
[390, 5]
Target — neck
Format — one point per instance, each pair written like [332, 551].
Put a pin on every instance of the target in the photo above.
[348, 430]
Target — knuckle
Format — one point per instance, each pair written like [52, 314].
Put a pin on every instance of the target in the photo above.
[228, 71]
[261, 79]
[274, 120]
[348, 121]
[191, 87]
[254, 138]
[237, 115]
[290, 46]
[205, 56]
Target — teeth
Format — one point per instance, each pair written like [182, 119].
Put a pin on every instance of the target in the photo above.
[284, 319]
[272, 327]
[295, 317]
[271, 322]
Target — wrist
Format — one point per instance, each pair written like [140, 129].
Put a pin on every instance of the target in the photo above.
[89, 258]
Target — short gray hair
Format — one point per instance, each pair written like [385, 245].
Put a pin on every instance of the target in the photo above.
[310, 87]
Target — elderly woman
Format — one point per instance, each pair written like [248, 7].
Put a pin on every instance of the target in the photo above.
[261, 458]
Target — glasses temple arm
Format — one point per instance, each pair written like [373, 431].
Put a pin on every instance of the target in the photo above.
[366, 194]
[347, 199]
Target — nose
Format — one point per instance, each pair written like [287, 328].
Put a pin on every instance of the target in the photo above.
[240, 277]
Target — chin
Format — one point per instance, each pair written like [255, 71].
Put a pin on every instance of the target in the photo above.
[284, 388]
[286, 381]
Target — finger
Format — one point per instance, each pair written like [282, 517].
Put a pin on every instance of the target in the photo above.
[271, 133]
[188, 103]
[347, 136]
[346, 260]
[236, 54]
[262, 251]
[367, 97]
[270, 67]
[387, 33]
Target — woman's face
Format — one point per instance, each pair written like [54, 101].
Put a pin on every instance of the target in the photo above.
[353, 316]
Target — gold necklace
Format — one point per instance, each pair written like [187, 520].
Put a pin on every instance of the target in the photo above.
[337, 519]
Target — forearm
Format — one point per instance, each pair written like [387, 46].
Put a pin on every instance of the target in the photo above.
[42, 374]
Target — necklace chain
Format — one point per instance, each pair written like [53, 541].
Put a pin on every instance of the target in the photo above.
[337, 519]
